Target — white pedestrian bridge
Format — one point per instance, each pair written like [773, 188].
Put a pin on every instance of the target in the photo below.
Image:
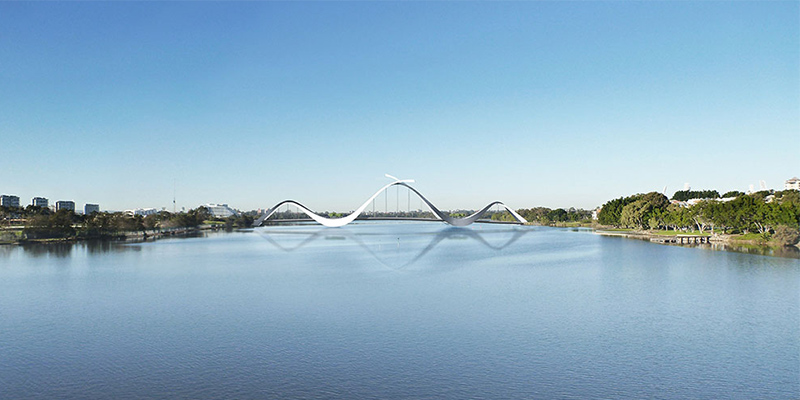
[440, 216]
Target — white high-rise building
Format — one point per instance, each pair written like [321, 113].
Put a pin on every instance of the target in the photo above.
[792, 183]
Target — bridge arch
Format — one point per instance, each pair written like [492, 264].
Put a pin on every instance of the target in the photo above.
[337, 222]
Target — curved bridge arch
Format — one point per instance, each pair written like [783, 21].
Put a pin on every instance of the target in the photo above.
[337, 222]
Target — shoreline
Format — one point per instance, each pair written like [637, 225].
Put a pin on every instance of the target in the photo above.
[714, 242]
[134, 236]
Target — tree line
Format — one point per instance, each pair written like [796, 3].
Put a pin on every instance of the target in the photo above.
[767, 213]
[683, 195]
[43, 223]
[546, 216]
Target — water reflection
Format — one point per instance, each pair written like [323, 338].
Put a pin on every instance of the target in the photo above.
[7, 249]
[105, 246]
[66, 249]
[286, 239]
[61, 250]
[786, 252]
[98, 246]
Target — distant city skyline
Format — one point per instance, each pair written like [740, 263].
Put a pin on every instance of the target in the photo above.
[549, 104]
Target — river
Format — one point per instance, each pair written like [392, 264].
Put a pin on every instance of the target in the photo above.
[397, 310]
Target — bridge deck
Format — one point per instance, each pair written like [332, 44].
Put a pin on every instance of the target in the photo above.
[364, 218]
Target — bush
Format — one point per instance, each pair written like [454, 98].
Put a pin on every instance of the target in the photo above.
[786, 236]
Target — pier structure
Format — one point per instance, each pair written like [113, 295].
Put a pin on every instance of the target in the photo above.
[682, 239]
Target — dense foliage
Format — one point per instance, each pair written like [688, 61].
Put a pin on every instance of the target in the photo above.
[683, 195]
[42, 223]
[51, 225]
[760, 212]
[732, 193]
[242, 220]
[633, 211]
[546, 216]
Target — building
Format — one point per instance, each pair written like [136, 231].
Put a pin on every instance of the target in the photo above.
[220, 210]
[65, 205]
[142, 211]
[91, 208]
[7, 200]
[793, 183]
[40, 202]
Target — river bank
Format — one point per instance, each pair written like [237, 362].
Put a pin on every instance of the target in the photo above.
[13, 236]
[714, 242]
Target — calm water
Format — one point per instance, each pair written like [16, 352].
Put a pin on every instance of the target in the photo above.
[403, 310]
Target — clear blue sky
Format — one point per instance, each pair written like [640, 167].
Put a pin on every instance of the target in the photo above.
[532, 103]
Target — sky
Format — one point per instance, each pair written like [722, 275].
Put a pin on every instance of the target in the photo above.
[555, 104]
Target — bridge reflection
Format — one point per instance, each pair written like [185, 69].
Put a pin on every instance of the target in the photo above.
[278, 238]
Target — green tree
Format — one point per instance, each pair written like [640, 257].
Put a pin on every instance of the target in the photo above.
[536, 214]
[657, 218]
[791, 197]
[683, 195]
[743, 212]
[702, 215]
[152, 221]
[611, 213]
[56, 225]
[557, 215]
[639, 212]
[732, 193]
[99, 224]
[633, 214]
